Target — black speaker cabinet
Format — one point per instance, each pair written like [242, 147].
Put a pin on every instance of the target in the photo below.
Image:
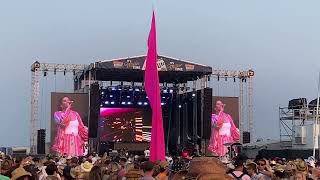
[94, 110]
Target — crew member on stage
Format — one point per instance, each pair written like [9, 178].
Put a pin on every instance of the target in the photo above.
[223, 131]
[71, 133]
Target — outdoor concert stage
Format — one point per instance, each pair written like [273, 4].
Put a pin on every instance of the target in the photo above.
[120, 115]
[109, 96]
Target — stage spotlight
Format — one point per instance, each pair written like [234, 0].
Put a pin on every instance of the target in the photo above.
[251, 73]
[64, 72]
[45, 73]
[137, 89]
[218, 77]
[165, 91]
[245, 80]
[74, 72]
[111, 95]
[162, 104]
[128, 96]
[106, 102]
[163, 97]
[139, 103]
[193, 94]
[112, 102]
[234, 79]
[35, 65]
[180, 106]
[102, 92]
[129, 103]
[145, 103]
[171, 91]
[123, 103]
[208, 78]
[55, 71]
[113, 89]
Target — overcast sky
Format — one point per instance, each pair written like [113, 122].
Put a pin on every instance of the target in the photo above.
[279, 39]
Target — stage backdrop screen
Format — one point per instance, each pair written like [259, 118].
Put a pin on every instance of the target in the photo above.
[80, 105]
[232, 107]
[125, 124]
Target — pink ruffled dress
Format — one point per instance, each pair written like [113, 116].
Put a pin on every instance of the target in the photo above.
[223, 131]
[70, 139]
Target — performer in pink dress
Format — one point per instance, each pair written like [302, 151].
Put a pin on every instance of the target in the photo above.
[223, 131]
[71, 132]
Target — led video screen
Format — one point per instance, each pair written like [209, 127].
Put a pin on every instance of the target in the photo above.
[125, 124]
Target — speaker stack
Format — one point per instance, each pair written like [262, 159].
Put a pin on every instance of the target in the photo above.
[41, 141]
[94, 110]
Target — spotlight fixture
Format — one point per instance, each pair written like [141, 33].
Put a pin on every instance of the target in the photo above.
[64, 72]
[180, 106]
[218, 77]
[45, 73]
[139, 103]
[112, 102]
[250, 73]
[234, 79]
[145, 103]
[55, 71]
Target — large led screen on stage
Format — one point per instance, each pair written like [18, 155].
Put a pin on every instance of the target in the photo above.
[125, 124]
[69, 122]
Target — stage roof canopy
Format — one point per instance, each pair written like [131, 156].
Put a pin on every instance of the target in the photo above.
[131, 69]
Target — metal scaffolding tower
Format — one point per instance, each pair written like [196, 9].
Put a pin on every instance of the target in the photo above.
[36, 69]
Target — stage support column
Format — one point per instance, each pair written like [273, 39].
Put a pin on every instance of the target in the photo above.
[195, 116]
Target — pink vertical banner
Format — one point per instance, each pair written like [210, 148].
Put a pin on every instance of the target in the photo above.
[152, 87]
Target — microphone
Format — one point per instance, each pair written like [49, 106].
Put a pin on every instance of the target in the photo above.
[71, 102]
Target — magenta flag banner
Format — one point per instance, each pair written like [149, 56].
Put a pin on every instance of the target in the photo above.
[151, 82]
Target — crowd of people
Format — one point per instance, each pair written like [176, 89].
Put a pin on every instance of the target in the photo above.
[130, 167]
